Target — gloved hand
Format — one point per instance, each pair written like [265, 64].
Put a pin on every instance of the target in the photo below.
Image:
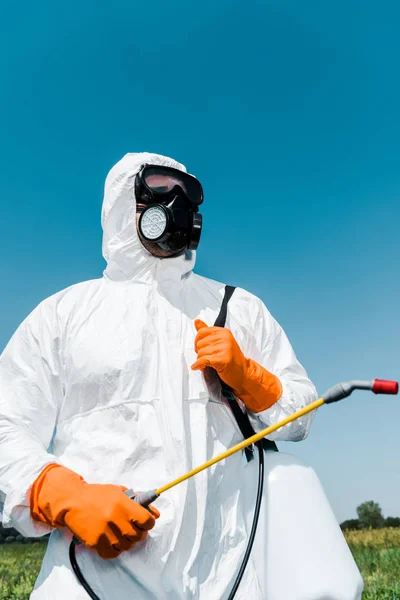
[100, 515]
[216, 347]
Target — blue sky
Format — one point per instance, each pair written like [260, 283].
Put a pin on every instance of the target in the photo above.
[288, 113]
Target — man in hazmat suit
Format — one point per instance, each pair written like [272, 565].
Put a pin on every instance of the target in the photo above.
[103, 388]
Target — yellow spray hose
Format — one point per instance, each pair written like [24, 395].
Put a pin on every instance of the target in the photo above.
[242, 445]
[338, 392]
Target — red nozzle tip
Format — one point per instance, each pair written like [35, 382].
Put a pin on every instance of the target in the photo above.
[383, 386]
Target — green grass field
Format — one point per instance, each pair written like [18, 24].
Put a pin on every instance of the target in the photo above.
[377, 554]
[19, 567]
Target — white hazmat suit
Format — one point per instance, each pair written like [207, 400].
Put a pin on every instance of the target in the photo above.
[98, 378]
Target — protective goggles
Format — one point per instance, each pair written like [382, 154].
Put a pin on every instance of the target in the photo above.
[155, 180]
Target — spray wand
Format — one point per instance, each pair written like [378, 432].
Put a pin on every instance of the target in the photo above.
[336, 393]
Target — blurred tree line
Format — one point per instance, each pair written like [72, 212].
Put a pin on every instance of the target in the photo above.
[370, 517]
[8, 535]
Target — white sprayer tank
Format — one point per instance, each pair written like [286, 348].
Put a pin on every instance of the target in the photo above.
[307, 557]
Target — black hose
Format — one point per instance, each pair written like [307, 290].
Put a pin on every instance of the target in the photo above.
[78, 572]
[255, 519]
[82, 580]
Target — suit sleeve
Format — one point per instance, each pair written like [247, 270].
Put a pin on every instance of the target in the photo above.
[276, 354]
[30, 398]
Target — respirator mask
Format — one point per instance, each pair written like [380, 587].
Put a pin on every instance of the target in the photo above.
[172, 198]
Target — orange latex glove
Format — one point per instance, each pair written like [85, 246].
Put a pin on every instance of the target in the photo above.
[216, 347]
[100, 515]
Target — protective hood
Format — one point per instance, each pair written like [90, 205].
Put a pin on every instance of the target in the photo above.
[127, 258]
